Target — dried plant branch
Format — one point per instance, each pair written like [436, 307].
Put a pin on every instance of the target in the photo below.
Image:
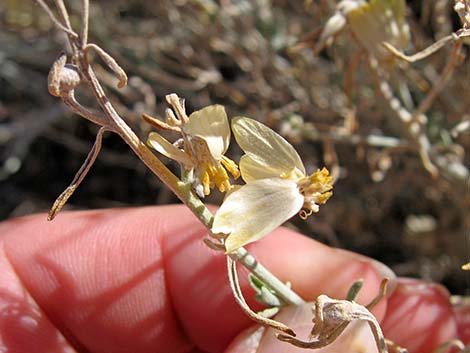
[85, 21]
[462, 127]
[331, 319]
[394, 347]
[447, 72]
[238, 295]
[456, 344]
[82, 172]
[451, 64]
[327, 340]
[414, 127]
[87, 113]
[63, 13]
[54, 19]
[159, 124]
[349, 75]
[283, 292]
[333, 316]
[112, 64]
[423, 53]
[380, 295]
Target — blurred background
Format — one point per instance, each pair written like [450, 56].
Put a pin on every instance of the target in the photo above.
[246, 56]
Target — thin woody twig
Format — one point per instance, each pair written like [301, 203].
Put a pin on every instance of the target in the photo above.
[394, 347]
[82, 172]
[423, 53]
[439, 85]
[380, 295]
[346, 311]
[91, 115]
[414, 127]
[112, 64]
[282, 291]
[461, 127]
[54, 19]
[63, 13]
[331, 319]
[157, 123]
[85, 21]
[446, 346]
[238, 295]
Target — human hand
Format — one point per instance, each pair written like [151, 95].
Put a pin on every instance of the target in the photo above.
[141, 280]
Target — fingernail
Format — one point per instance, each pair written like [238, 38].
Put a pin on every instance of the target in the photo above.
[382, 270]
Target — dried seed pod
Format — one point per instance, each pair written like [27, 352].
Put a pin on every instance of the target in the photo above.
[62, 77]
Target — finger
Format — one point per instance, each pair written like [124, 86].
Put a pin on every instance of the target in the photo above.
[97, 275]
[199, 274]
[23, 325]
[420, 316]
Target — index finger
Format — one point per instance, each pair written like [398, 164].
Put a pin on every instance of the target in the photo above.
[141, 280]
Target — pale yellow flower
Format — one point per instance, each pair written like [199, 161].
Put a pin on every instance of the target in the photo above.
[277, 186]
[378, 21]
[373, 22]
[205, 139]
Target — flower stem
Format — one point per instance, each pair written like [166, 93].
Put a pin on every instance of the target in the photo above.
[283, 292]
[182, 190]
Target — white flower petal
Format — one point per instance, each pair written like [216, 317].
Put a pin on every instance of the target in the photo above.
[251, 169]
[160, 144]
[211, 124]
[256, 209]
[266, 147]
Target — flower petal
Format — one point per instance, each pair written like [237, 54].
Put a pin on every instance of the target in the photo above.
[160, 144]
[251, 169]
[211, 124]
[265, 147]
[256, 209]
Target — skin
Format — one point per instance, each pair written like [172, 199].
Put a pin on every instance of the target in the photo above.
[141, 280]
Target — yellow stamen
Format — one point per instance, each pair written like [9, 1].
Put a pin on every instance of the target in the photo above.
[221, 179]
[205, 181]
[231, 166]
[316, 190]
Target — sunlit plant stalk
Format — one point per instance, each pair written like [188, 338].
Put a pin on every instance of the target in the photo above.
[63, 80]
